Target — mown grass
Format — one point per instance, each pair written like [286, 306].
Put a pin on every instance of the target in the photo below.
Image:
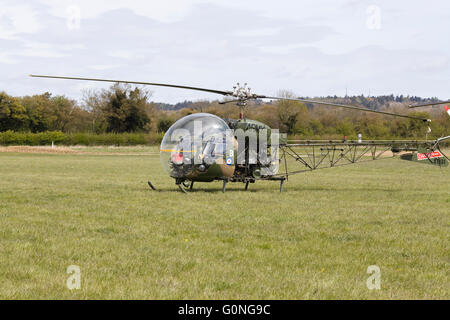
[314, 241]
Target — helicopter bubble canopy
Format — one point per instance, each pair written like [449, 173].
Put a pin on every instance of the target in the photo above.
[195, 142]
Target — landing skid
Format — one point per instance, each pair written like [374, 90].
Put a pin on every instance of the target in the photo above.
[151, 185]
[185, 186]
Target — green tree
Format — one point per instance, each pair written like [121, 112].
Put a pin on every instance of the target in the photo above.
[13, 115]
[54, 113]
[120, 108]
[288, 112]
[316, 126]
[63, 111]
[416, 128]
[164, 124]
[39, 111]
[345, 128]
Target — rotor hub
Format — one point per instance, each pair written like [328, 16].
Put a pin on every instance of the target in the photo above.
[242, 93]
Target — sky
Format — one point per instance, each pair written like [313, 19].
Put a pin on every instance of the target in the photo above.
[312, 48]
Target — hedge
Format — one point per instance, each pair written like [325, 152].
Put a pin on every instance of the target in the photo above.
[8, 138]
[87, 139]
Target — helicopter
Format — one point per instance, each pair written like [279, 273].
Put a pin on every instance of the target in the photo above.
[203, 147]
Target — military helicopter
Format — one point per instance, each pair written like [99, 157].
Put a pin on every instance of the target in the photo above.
[202, 147]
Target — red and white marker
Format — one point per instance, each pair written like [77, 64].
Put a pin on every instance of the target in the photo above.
[447, 109]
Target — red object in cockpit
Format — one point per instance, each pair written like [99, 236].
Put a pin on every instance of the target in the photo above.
[177, 158]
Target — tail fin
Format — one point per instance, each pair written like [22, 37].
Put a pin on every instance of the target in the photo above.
[447, 109]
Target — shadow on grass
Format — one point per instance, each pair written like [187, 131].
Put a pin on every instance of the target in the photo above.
[175, 189]
[286, 189]
[330, 188]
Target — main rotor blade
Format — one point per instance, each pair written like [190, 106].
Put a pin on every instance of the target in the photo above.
[346, 106]
[428, 104]
[228, 101]
[225, 93]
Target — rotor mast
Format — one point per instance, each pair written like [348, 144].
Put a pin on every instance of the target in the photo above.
[242, 93]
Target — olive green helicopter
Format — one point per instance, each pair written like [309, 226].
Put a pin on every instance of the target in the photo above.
[202, 147]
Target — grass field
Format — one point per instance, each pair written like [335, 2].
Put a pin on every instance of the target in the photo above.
[94, 209]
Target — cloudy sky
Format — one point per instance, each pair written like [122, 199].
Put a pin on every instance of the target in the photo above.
[311, 47]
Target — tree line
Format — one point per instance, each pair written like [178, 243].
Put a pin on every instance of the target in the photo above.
[122, 108]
